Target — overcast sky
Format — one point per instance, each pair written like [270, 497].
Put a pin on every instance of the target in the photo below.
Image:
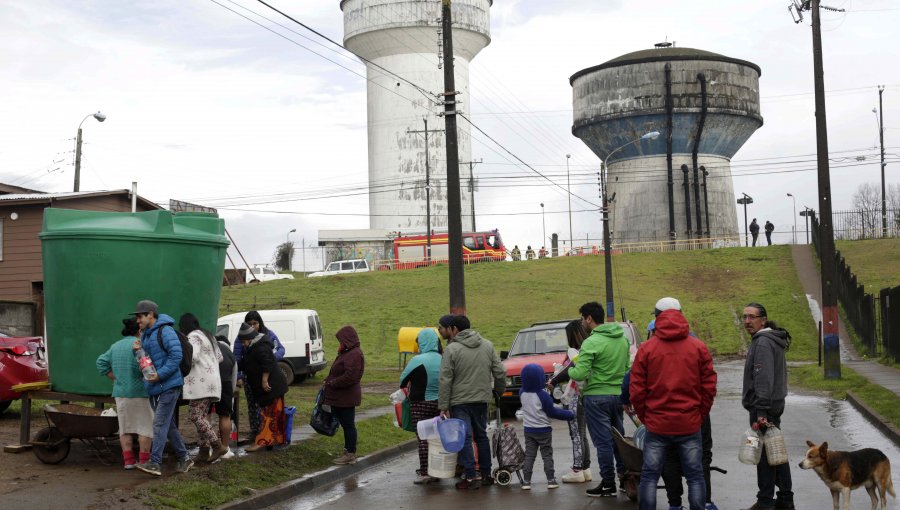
[206, 106]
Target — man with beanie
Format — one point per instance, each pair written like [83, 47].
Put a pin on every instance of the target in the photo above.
[470, 369]
[673, 385]
[161, 343]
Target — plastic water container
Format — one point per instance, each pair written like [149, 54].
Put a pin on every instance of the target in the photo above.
[441, 463]
[427, 429]
[452, 432]
[751, 447]
[776, 449]
[289, 423]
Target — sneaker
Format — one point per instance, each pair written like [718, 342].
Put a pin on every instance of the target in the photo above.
[184, 465]
[486, 481]
[424, 480]
[228, 455]
[149, 467]
[203, 454]
[526, 485]
[574, 477]
[467, 484]
[346, 458]
[552, 484]
[587, 475]
[604, 490]
[217, 453]
[712, 506]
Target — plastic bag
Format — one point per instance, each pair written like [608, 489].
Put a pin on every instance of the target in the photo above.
[323, 421]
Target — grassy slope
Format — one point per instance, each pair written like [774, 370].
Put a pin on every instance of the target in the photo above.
[875, 262]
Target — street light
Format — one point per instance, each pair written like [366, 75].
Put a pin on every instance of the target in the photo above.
[100, 118]
[290, 248]
[569, 193]
[543, 225]
[806, 212]
[795, 216]
[607, 260]
[747, 199]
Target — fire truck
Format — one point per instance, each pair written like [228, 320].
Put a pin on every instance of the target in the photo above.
[410, 249]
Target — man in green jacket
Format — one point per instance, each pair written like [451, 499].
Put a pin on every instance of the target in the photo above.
[601, 364]
[470, 370]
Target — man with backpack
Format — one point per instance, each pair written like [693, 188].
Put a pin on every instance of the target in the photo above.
[161, 342]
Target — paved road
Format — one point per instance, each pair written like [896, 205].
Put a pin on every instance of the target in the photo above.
[390, 485]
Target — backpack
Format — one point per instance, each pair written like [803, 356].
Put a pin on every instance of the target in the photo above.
[187, 351]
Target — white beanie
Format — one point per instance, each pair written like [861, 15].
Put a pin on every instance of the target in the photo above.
[666, 303]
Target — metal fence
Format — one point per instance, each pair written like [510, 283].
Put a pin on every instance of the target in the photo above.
[889, 300]
[864, 224]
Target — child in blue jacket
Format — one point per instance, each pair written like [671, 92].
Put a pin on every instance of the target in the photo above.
[537, 409]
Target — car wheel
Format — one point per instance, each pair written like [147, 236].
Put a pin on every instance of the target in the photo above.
[4, 405]
[50, 446]
[287, 371]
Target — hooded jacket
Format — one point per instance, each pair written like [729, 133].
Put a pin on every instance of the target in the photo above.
[342, 388]
[204, 380]
[537, 404]
[165, 360]
[423, 371]
[259, 359]
[673, 382]
[602, 361]
[470, 369]
[765, 374]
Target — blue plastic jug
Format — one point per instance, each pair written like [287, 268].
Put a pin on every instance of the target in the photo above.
[452, 432]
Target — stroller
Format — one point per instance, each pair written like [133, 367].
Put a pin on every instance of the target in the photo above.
[507, 450]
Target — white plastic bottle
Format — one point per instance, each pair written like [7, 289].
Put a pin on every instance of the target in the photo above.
[751, 447]
[145, 363]
[776, 449]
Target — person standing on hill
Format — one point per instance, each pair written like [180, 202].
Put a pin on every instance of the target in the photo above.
[769, 228]
[754, 230]
[763, 396]
[529, 253]
[470, 369]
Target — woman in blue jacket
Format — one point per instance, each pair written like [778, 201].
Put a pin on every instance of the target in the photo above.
[421, 376]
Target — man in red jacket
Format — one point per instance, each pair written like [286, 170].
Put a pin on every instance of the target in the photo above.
[673, 385]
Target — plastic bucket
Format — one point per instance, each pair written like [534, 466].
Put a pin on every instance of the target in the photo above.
[427, 429]
[452, 432]
[288, 423]
[441, 464]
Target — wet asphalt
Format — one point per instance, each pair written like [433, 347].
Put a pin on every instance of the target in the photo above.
[817, 418]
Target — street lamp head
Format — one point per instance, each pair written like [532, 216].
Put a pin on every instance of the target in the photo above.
[100, 116]
[653, 135]
[292, 230]
[542, 205]
[789, 195]
[568, 156]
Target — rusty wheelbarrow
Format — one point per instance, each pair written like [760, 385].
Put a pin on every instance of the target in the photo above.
[71, 421]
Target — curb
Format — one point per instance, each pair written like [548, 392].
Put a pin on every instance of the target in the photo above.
[880, 422]
[300, 486]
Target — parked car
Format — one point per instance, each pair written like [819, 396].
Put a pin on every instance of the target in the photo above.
[543, 343]
[265, 273]
[300, 331]
[342, 267]
[22, 360]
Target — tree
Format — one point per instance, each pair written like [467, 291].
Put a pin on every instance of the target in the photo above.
[867, 201]
[283, 256]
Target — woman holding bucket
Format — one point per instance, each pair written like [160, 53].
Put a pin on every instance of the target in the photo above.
[421, 376]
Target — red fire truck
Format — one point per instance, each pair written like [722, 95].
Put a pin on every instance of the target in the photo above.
[410, 249]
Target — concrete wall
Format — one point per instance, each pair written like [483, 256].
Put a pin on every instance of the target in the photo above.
[17, 319]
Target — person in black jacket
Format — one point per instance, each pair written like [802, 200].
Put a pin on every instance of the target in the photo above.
[225, 406]
[770, 227]
[267, 383]
[754, 230]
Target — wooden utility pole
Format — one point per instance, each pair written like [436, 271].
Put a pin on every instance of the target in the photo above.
[881, 136]
[427, 187]
[454, 218]
[472, 187]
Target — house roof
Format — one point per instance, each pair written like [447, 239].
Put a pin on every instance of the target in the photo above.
[9, 188]
[47, 198]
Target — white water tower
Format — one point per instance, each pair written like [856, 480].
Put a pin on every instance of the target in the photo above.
[402, 36]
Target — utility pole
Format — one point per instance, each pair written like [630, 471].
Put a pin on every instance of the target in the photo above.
[607, 240]
[569, 195]
[830, 331]
[745, 200]
[454, 219]
[881, 136]
[427, 187]
[472, 188]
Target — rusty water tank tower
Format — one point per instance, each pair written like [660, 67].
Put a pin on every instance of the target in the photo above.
[704, 105]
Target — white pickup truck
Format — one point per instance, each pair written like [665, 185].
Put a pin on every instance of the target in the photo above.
[265, 273]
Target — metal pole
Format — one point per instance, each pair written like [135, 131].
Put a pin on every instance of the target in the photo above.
[795, 216]
[881, 136]
[427, 196]
[543, 225]
[303, 252]
[569, 193]
[78, 160]
[454, 221]
[134, 196]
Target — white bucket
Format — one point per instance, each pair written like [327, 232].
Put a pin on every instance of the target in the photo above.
[440, 463]
[427, 429]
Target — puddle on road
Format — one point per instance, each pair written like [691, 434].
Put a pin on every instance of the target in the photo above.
[857, 431]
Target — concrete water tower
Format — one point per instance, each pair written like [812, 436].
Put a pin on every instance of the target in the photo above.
[704, 105]
[402, 36]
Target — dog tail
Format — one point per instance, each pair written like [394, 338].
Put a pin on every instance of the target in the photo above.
[890, 488]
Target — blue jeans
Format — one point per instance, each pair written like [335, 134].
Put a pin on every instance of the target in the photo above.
[604, 412]
[164, 425]
[475, 416]
[691, 451]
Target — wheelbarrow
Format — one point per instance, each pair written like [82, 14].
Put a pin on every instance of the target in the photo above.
[71, 421]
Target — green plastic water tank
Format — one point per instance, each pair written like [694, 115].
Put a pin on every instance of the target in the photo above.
[98, 265]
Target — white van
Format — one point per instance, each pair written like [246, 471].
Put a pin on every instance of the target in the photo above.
[343, 267]
[298, 330]
[266, 273]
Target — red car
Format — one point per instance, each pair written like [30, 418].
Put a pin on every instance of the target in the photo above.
[543, 343]
[22, 360]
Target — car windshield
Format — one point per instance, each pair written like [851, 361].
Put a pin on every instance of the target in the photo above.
[539, 342]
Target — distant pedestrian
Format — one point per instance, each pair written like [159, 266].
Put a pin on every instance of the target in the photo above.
[763, 396]
[422, 376]
[268, 385]
[132, 407]
[581, 451]
[470, 369]
[160, 340]
[529, 253]
[542, 253]
[537, 409]
[343, 391]
[203, 385]
[602, 363]
[754, 230]
[769, 228]
[673, 385]
[516, 254]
